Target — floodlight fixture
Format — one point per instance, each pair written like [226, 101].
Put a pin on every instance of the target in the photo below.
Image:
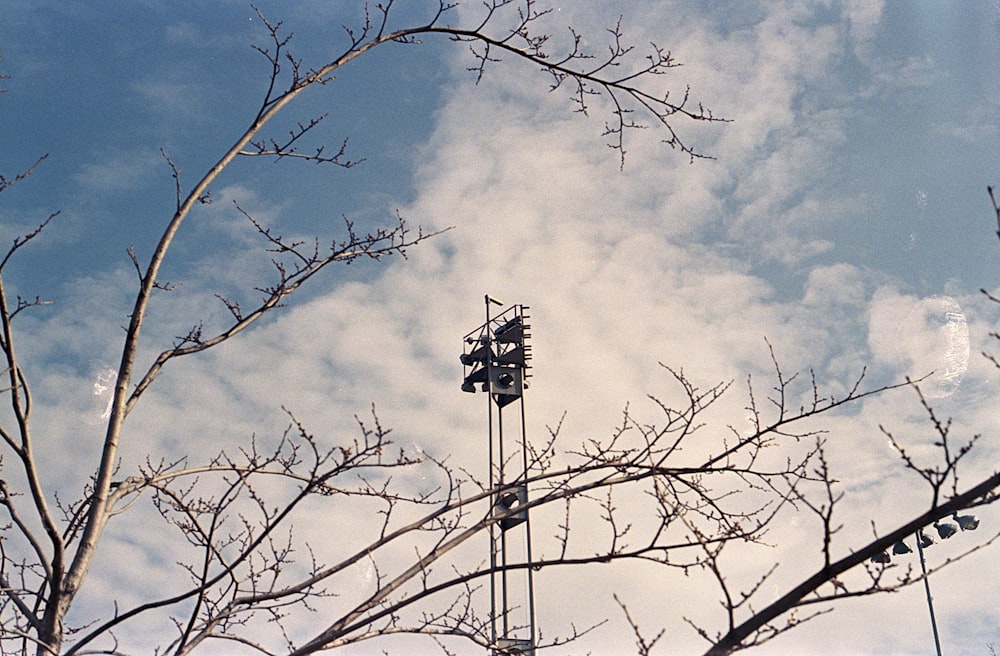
[477, 356]
[480, 375]
[508, 506]
[967, 522]
[882, 558]
[945, 530]
[925, 540]
[497, 355]
[512, 331]
[901, 548]
[514, 647]
[506, 384]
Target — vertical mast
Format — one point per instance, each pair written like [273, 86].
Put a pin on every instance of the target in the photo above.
[495, 358]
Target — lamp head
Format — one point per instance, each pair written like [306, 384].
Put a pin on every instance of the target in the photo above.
[882, 558]
[967, 522]
[945, 530]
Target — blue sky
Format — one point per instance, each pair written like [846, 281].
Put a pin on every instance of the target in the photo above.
[845, 211]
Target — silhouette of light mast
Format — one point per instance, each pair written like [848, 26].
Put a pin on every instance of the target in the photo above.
[495, 359]
[944, 530]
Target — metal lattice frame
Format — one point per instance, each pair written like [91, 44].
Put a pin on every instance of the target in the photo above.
[495, 358]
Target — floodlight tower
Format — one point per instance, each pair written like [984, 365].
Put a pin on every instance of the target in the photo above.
[495, 358]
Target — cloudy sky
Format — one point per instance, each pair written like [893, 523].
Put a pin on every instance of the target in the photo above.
[843, 218]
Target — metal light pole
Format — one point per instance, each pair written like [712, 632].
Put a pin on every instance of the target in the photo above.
[495, 358]
[927, 588]
[944, 530]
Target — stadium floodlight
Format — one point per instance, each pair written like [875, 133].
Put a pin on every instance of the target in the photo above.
[945, 530]
[967, 522]
[882, 558]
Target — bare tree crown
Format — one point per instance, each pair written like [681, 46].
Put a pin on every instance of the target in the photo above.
[246, 575]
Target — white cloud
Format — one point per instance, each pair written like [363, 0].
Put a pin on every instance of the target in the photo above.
[863, 18]
[912, 72]
[120, 170]
[661, 263]
[613, 265]
[838, 285]
[175, 98]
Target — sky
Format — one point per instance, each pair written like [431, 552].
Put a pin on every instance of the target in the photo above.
[841, 217]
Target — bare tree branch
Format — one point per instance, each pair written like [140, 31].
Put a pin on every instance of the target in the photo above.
[242, 568]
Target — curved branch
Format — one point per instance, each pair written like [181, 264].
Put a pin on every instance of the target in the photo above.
[732, 640]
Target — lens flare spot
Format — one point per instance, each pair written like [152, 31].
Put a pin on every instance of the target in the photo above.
[933, 341]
